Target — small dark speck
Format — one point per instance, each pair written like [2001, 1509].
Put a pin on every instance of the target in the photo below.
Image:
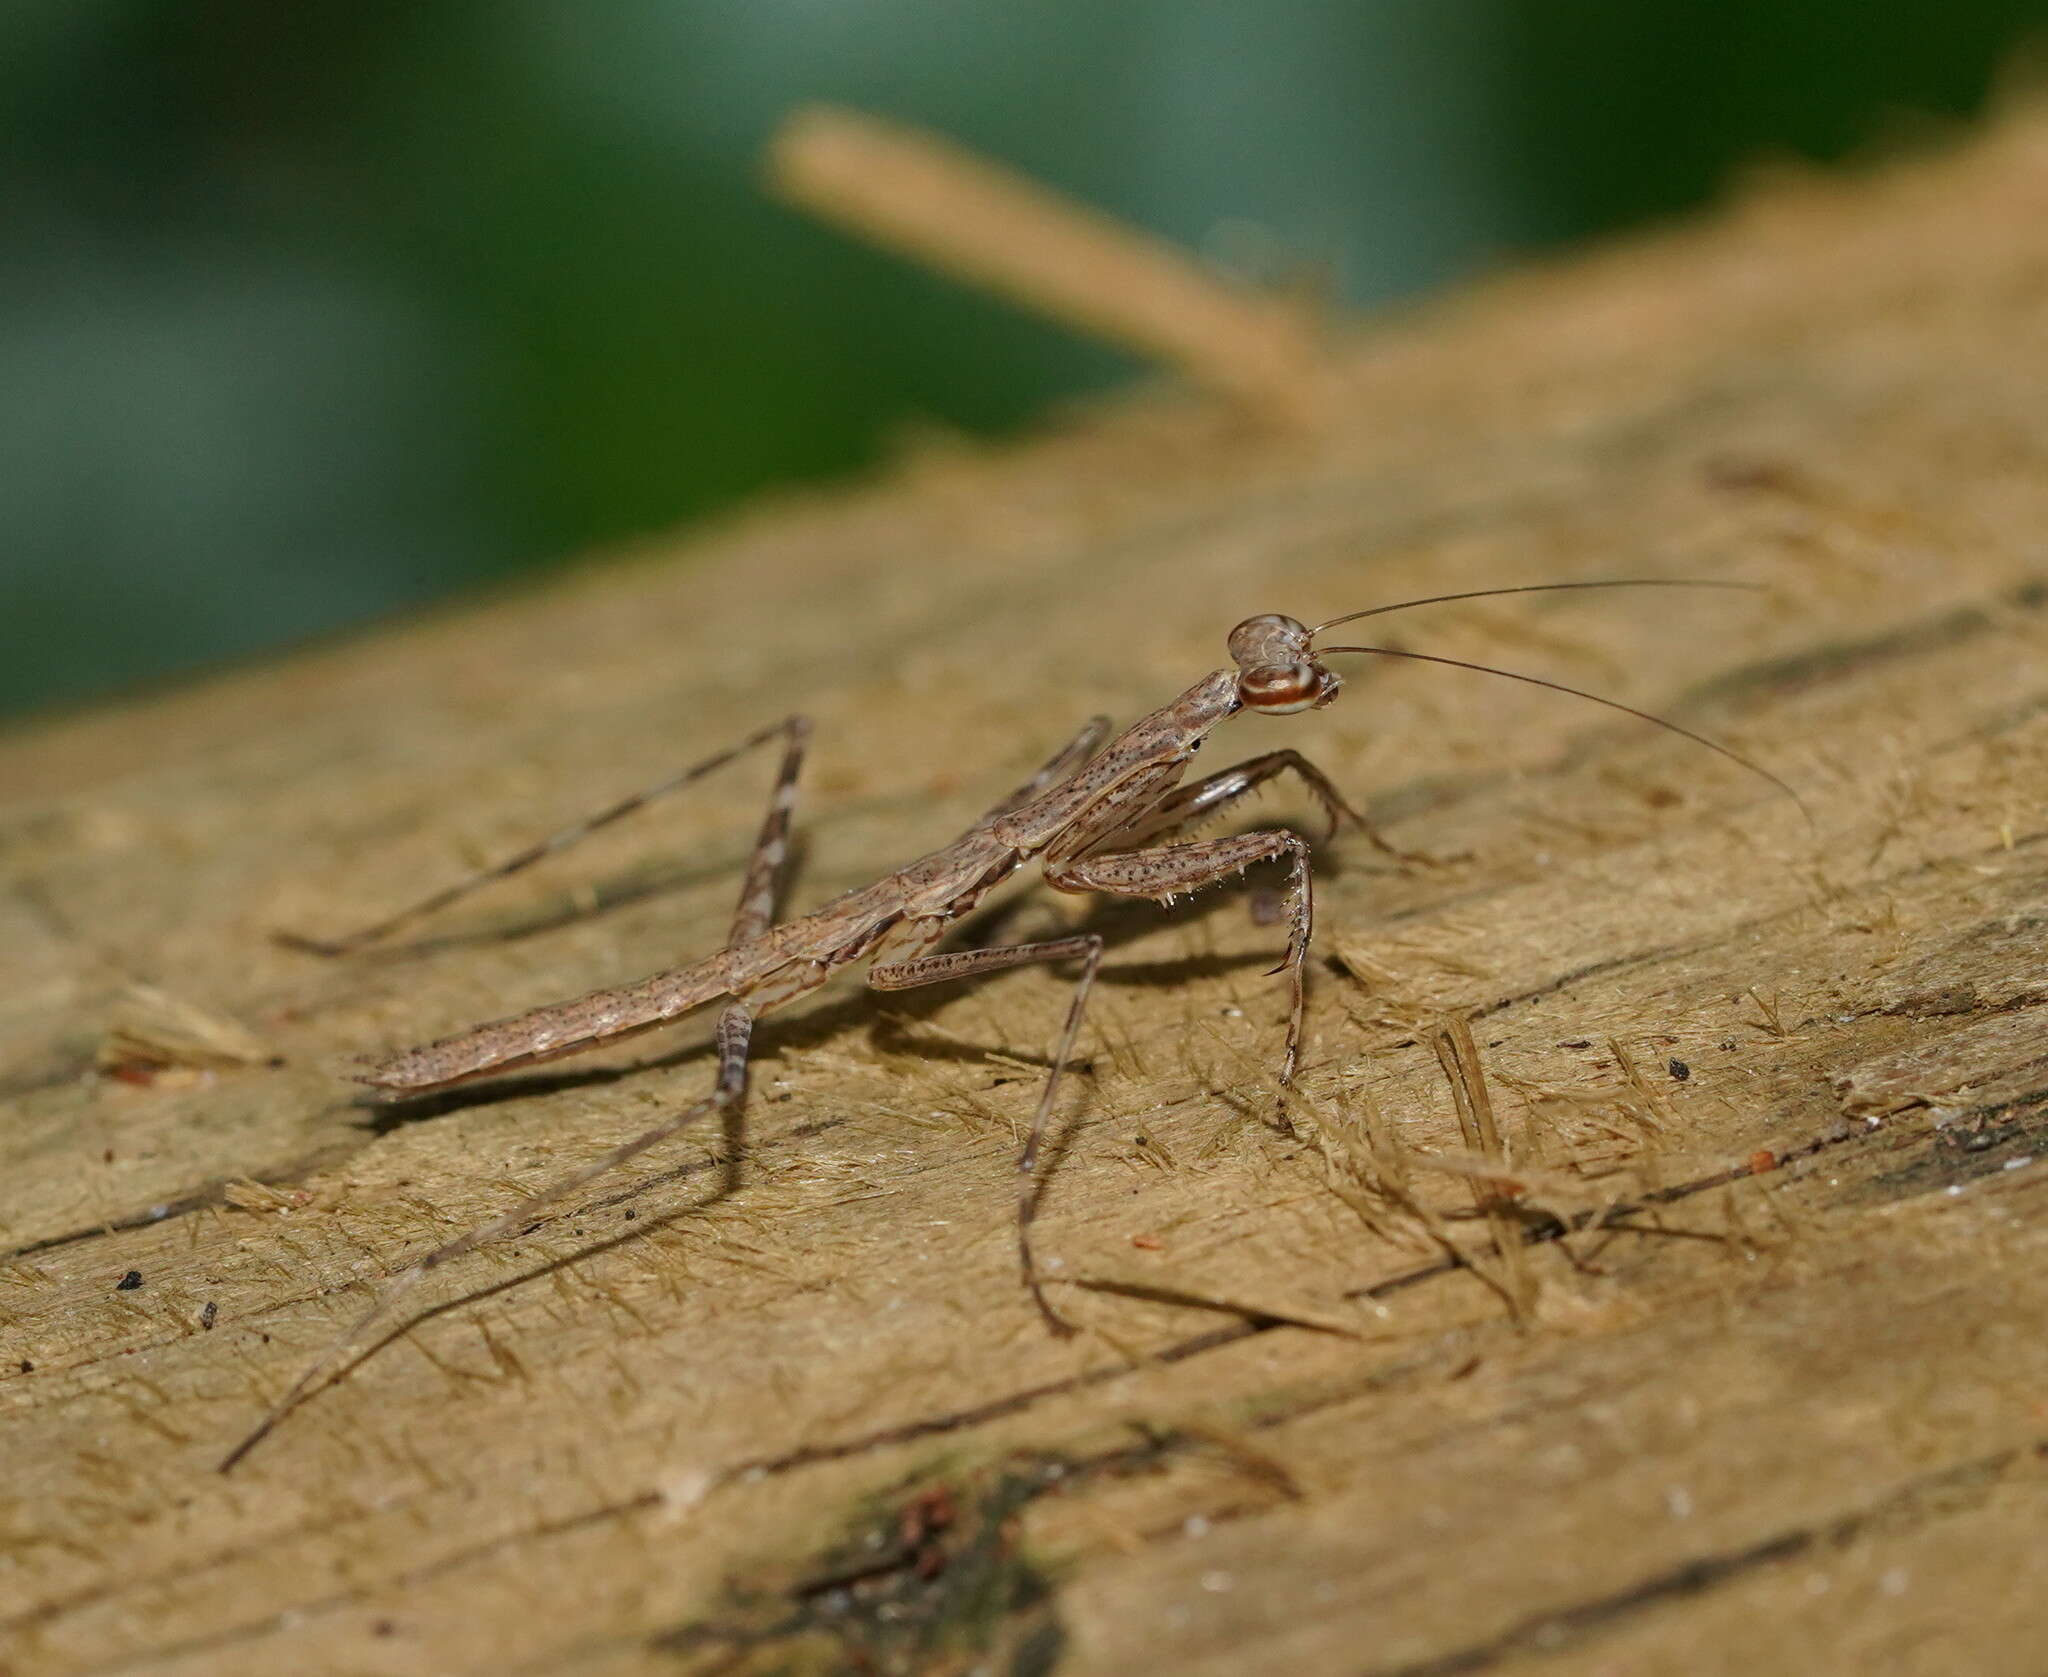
[1754, 474]
[630, 1215]
[209, 1314]
[27, 1367]
[383, 1627]
[1678, 1069]
[1577, 1042]
[129, 1282]
[1728, 1047]
[1496, 1042]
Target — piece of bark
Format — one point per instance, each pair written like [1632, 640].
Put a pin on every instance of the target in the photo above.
[1785, 1421]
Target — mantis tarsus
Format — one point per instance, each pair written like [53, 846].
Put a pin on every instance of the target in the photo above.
[1096, 818]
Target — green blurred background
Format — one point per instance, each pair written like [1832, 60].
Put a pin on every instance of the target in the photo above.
[311, 311]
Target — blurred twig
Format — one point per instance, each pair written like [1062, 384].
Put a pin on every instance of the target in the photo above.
[927, 198]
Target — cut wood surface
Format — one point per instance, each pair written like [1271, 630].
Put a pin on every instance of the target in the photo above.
[1727, 1358]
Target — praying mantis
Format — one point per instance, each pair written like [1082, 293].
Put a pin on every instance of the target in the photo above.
[1097, 818]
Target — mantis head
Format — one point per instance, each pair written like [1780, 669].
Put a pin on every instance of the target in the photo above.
[1278, 672]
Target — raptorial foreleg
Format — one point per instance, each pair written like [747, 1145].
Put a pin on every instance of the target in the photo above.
[1214, 793]
[1166, 871]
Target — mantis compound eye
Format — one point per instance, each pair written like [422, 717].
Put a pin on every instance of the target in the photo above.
[1268, 639]
[1280, 688]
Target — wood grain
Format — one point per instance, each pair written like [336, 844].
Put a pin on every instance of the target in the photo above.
[1773, 1092]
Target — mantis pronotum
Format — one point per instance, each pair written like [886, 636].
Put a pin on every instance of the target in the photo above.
[1096, 818]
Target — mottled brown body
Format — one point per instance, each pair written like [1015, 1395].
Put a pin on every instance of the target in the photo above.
[1095, 817]
[897, 918]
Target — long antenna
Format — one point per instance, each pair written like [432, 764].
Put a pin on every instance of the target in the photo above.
[1733, 756]
[1537, 588]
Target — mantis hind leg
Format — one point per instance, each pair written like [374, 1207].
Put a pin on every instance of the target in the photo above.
[914, 970]
[795, 731]
[759, 894]
[374, 1328]
[1062, 763]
